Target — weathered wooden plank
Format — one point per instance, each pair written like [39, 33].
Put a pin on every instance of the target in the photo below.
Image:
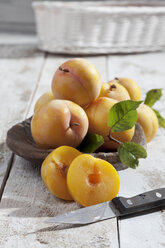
[149, 230]
[18, 79]
[26, 203]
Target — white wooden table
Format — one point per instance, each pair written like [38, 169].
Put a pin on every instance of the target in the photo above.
[25, 74]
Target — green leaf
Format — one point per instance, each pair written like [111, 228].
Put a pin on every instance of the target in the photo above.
[153, 96]
[130, 152]
[123, 115]
[91, 143]
[161, 120]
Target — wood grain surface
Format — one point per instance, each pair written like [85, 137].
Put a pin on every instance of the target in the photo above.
[18, 77]
[26, 203]
[144, 231]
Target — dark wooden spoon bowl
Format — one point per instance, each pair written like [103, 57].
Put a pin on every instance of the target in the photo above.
[20, 141]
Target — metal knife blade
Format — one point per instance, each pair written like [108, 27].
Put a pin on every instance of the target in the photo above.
[91, 214]
[118, 207]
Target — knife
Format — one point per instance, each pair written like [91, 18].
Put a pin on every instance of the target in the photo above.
[118, 207]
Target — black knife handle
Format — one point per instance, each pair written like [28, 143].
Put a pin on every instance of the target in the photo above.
[140, 203]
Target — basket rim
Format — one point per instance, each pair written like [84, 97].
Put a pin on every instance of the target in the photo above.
[98, 8]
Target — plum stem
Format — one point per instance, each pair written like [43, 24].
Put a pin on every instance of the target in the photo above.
[117, 80]
[113, 139]
[113, 86]
[64, 70]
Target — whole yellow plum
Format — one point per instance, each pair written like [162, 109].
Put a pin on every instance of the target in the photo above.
[77, 80]
[59, 122]
[98, 114]
[43, 99]
[114, 90]
[148, 120]
[131, 86]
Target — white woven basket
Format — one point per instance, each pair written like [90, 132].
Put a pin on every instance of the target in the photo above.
[99, 27]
